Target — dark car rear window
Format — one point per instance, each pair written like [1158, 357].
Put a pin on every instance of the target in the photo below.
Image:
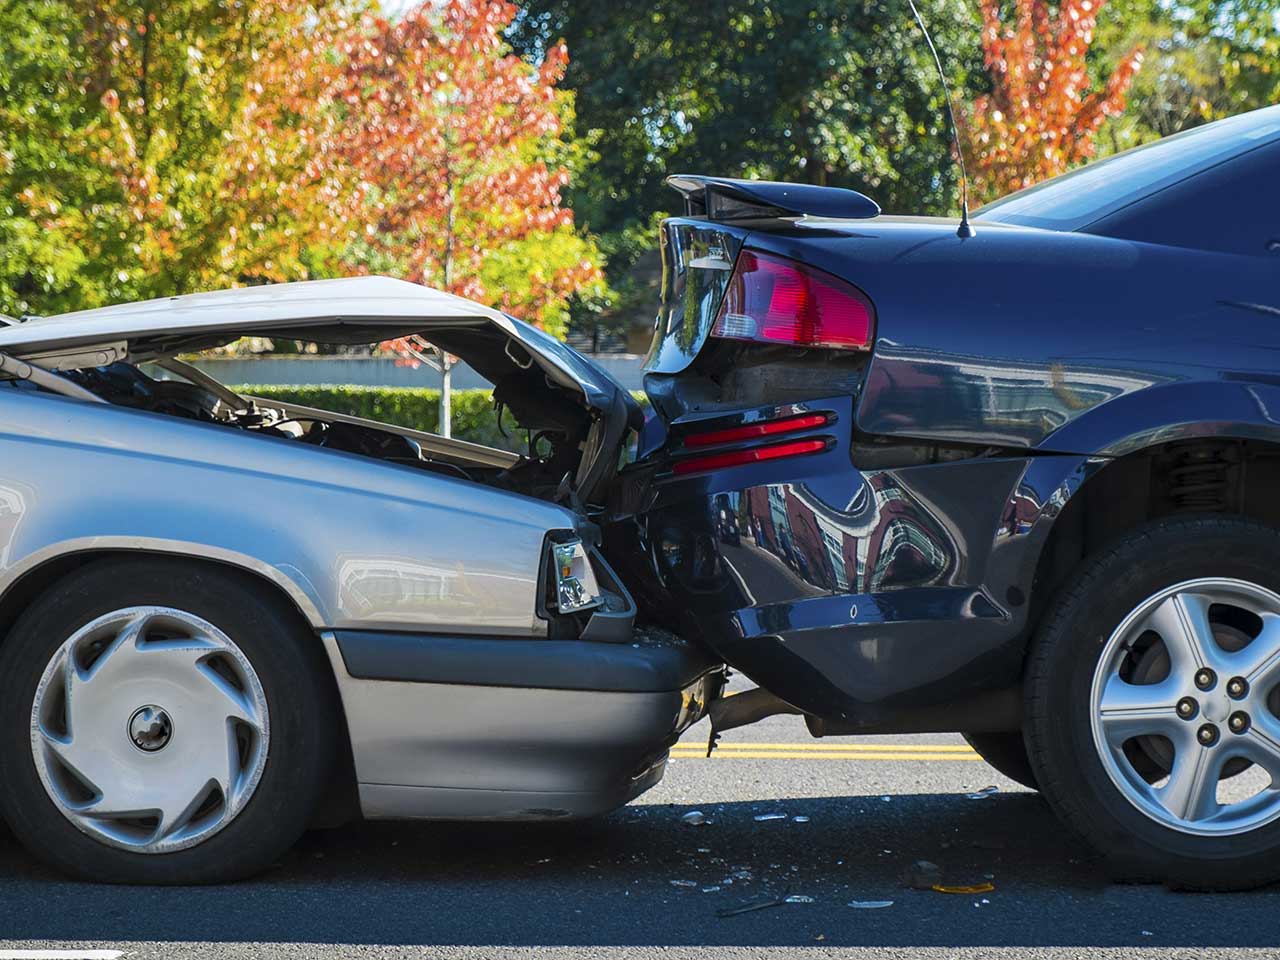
[1094, 191]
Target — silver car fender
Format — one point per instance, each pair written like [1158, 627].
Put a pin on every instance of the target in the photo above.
[354, 542]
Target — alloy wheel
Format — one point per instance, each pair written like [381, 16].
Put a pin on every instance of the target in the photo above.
[1184, 697]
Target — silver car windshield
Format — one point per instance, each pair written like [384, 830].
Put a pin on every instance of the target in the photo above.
[1079, 198]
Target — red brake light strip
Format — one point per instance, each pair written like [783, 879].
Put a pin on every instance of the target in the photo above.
[752, 431]
[716, 461]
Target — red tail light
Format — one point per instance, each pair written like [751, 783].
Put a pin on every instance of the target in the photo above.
[753, 431]
[774, 300]
[717, 461]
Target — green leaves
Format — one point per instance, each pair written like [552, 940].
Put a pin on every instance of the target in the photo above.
[474, 417]
[827, 92]
[153, 148]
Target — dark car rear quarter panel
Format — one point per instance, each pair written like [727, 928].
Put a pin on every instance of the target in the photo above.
[1007, 337]
[851, 594]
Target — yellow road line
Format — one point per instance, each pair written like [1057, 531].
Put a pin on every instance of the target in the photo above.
[831, 747]
[834, 755]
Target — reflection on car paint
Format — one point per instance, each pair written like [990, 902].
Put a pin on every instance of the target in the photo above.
[882, 538]
[1018, 402]
[13, 507]
[691, 289]
[852, 589]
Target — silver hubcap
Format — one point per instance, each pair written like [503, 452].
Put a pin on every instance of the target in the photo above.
[1182, 701]
[149, 729]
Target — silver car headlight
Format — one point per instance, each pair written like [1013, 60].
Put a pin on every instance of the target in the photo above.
[576, 586]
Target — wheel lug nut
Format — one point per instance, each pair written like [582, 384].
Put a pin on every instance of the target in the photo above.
[1207, 735]
[1205, 678]
[1187, 708]
[1237, 687]
[1239, 722]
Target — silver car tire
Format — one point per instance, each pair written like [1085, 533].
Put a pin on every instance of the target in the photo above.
[163, 721]
[1138, 685]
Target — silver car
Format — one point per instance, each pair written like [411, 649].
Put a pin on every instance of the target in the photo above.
[227, 618]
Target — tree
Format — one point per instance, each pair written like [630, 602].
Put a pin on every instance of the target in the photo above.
[834, 92]
[1042, 112]
[124, 140]
[837, 92]
[152, 148]
[1204, 60]
[452, 145]
[452, 148]
[42, 110]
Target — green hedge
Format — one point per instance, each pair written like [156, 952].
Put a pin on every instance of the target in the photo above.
[474, 418]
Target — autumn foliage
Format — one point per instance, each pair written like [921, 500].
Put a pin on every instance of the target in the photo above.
[448, 142]
[1042, 113]
[212, 144]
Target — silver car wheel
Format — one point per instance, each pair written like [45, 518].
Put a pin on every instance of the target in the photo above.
[149, 729]
[1190, 676]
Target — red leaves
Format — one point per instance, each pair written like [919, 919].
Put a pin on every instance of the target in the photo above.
[1041, 115]
[444, 127]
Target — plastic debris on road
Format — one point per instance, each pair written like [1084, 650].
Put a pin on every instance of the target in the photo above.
[983, 793]
[799, 898]
[870, 904]
[799, 819]
[922, 875]
[764, 817]
[750, 906]
[684, 883]
[694, 818]
[969, 889]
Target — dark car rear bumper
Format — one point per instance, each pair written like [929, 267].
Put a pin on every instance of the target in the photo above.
[513, 729]
[856, 596]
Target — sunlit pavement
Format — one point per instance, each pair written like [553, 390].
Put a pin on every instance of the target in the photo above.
[643, 884]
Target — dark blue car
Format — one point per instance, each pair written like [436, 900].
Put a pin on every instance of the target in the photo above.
[1020, 485]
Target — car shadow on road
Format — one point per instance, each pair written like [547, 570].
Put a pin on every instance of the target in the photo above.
[642, 876]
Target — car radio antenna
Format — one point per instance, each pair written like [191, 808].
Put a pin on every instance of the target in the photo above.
[964, 229]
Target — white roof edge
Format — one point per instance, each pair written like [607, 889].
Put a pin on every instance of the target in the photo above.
[373, 300]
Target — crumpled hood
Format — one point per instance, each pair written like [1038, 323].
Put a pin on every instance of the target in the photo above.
[351, 310]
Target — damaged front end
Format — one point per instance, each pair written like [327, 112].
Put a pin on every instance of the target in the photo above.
[486, 654]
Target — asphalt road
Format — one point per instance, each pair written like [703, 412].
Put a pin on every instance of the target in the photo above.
[643, 884]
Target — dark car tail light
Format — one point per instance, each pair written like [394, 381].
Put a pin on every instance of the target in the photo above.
[734, 458]
[753, 431]
[775, 300]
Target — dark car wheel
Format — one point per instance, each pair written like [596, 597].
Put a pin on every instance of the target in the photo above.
[160, 722]
[1153, 704]
[1007, 753]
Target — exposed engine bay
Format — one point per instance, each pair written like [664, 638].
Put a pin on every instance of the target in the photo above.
[556, 433]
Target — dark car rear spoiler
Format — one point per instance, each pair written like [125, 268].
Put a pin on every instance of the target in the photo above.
[723, 198]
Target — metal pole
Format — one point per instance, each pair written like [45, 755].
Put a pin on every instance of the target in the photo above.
[446, 385]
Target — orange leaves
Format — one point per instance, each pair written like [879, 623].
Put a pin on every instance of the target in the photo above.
[225, 143]
[1042, 113]
[445, 130]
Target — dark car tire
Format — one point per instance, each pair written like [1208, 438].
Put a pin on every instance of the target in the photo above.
[1007, 753]
[290, 762]
[1067, 649]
